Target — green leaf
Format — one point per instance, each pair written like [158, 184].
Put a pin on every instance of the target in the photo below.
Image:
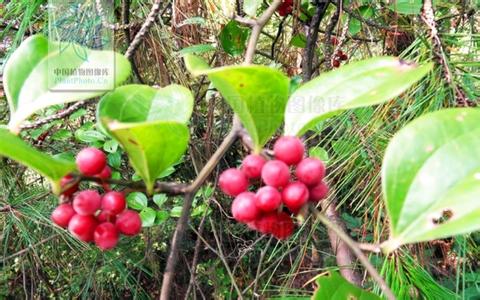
[355, 25]
[149, 124]
[137, 200]
[250, 7]
[62, 135]
[52, 168]
[160, 199]
[431, 177]
[152, 147]
[147, 215]
[320, 153]
[202, 48]
[299, 40]
[89, 136]
[176, 211]
[161, 216]
[233, 38]
[406, 7]
[257, 94]
[334, 287]
[358, 84]
[140, 103]
[30, 85]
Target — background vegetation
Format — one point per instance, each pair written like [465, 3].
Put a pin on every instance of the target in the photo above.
[41, 261]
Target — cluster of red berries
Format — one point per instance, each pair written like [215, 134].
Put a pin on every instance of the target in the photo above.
[285, 8]
[339, 56]
[90, 216]
[264, 210]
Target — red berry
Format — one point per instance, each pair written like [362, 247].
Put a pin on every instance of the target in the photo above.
[252, 165]
[67, 181]
[319, 192]
[266, 223]
[105, 174]
[285, 8]
[275, 173]
[82, 227]
[87, 202]
[268, 199]
[244, 209]
[129, 222]
[335, 63]
[62, 215]
[310, 171]
[289, 149]
[113, 202]
[283, 227]
[105, 216]
[91, 161]
[295, 195]
[106, 236]
[233, 182]
[334, 40]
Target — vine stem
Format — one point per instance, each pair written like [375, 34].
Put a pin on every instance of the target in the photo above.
[178, 235]
[357, 251]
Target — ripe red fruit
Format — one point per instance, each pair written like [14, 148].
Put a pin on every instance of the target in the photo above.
[285, 8]
[105, 174]
[129, 222]
[244, 209]
[106, 236]
[268, 199]
[233, 182]
[67, 181]
[334, 40]
[62, 215]
[266, 223]
[295, 195]
[335, 63]
[252, 165]
[87, 202]
[82, 227]
[275, 173]
[105, 216]
[343, 57]
[310, 171]
[289, 149]
[319, 192]
[283, 228]
[91, 161]
[113, 202]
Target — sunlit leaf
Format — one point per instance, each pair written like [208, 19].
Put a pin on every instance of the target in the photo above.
[334, 287]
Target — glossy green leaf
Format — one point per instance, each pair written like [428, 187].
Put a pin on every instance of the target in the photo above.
[161, 216]
[52, 168]
[334, 287]
[431, 177]
[257, 94]
[250, 7]
[160, 199]
[233, 38]
[147, 215]
[152, 147]
[137, 200]
[406, 7]
[140, 103]
[29, 84]
[357, 84]
[198, 49]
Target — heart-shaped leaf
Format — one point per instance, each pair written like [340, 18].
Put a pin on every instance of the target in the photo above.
[41, 73]
[152, 147]
[357, 84]
[257, 94]
[431, 177]
[52, 168]
[141, 103]
[334, 287]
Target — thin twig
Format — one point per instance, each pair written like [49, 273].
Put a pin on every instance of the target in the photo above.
[60, 115]
[312, 36]
[32, 246]
[143, 30]
[357, 251]
[328, 35]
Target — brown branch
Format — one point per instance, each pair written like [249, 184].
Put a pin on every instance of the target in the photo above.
[356, 250]
[428, 17]
[312, 36]
[60, 115]
[328, 35]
